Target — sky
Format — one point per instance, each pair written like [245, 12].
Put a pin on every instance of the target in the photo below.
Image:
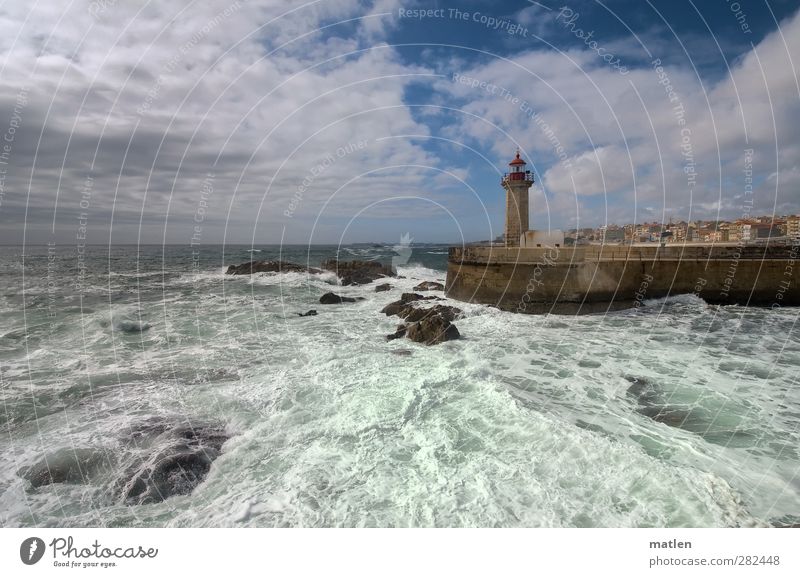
[340, 121]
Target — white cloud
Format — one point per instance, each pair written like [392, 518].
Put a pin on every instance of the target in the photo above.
[589, 130]
[232, 88]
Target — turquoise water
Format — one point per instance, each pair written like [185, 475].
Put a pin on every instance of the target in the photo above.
[675, 414]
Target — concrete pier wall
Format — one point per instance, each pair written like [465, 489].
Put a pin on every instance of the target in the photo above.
[576, 280]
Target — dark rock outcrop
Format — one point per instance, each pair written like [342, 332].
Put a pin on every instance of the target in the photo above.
[383, 287]
[405, 310]
[168, 459]
[66, 465]
[311, 313]
[334, 299]
[424, 325]
[429, 286]
[448, 312]
[414, 314]
[179, 460]
[269, 266]
[411, 297]
[394, 308]
[432, 330]
[357, 272]
[399, 333]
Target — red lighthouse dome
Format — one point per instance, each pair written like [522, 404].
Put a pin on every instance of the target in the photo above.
[517, 170]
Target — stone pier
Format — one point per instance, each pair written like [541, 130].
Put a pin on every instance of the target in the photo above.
[592, 279]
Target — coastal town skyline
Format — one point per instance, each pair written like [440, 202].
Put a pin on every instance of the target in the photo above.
[753, 229]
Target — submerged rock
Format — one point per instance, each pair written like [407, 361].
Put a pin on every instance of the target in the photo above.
[429, 286]
[269, 266]
[643, 390]
[129, 326]
[66, 465]
[181, 458]
[383, 287]
[334, 299]
[357, 272]
[786, 522]
[660, 405]
[311, 313]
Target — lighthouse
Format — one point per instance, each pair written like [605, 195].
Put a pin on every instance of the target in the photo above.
[516, 183]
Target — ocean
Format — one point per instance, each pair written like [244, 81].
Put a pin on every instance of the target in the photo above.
[674, 414]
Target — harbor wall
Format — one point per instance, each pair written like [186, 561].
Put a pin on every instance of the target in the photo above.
[590, 279]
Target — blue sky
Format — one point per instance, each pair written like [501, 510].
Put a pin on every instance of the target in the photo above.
[348, 121]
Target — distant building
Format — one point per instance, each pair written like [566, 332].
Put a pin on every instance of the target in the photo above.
[764, 230]
[678, 231]
[542, 238]
[613, 233]
[793, 227]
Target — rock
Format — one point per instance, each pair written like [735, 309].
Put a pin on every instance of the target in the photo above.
[400, 332]
[414, 314]
[356, 272]
[409, 312]
[429, 286]
[129, 326]
[643, 390]
[269, 266]
[66, 465]
[449, 313]
[179, 461]
[383, 287]
[393, 308]
[334, 299]
[432, 330]
[311, 313]
[169, 474]
[411, 297]
[402, 352]
[786, 522]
